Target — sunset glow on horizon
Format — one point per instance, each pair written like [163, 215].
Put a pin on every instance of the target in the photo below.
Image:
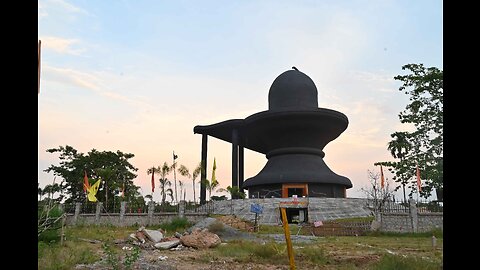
[137, 76]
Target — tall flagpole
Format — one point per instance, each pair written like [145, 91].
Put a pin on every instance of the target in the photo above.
[175, 176]
[39, 50]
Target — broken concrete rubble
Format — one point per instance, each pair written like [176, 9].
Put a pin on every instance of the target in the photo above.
[167, 244]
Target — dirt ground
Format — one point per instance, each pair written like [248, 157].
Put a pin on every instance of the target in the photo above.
[353, 252]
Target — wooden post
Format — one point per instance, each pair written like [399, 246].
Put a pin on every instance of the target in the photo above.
[291, 259]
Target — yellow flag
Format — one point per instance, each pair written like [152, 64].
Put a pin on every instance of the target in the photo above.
[92, 191]
[214, 179]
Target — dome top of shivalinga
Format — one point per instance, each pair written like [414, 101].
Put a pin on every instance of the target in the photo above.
[293, 90]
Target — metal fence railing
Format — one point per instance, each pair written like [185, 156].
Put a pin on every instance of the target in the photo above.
[429, 207]
[395, 207]
[208, 207]
[136, 208]
[115, 207]
[166, 208]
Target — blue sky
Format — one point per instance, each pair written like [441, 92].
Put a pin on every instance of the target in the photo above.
[137, 76]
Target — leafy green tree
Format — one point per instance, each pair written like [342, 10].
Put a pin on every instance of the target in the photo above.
[423, 145]
[112, 167]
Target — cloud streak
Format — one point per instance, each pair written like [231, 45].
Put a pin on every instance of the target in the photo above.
[61, 45]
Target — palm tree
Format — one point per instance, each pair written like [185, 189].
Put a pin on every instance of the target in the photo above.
[233, 191]
[40, 192]
[170, 194]
[184, 172]
[211, 186]
[398, 148]
[164, 182]
[195, 174]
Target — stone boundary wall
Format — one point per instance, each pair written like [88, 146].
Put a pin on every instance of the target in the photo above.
[322, 209]
[412, 222]
[129, 219]
[318, 209]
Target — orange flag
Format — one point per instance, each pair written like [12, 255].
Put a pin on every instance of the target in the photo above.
[419, 182]
[382, 178]
[86, 185]
[153, 180]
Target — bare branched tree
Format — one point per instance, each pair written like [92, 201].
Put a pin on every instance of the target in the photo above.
[377, 195]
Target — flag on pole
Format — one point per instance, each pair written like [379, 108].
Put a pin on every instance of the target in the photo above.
[382, 178]
[86, 185]
[419, 182]
[214, 179]
[153, 179]
[92, 191]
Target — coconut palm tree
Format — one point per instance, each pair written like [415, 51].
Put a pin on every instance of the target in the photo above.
[164, 182]
[184, 172]
[195, 174]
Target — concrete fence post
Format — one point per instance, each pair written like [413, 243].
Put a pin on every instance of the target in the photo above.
[98, 211]
[413, 215]
[151, 208]
[181, 208]
[122, 211]
[78, 205]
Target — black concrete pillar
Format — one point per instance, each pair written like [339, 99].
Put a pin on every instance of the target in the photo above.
[203, 172]
[234, 158]
[240, 167]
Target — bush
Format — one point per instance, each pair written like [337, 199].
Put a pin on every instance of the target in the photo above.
[48, 225]
[175, 224]
[216, 227]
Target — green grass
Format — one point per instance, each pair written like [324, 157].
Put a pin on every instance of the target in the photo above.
[394, 262]
[246, 251]
[176, 224]
[342, 252]
[354, 219]
[54, 256]
[275, 229]
[438, 233]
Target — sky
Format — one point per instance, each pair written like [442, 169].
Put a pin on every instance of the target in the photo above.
[137, 76]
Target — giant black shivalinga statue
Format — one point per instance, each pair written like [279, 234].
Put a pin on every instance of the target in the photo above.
[292, 134]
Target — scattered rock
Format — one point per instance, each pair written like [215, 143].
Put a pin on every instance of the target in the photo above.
[178, 235]
[140, 236]
[167, 244]
[133, 237]
[162, 258]
[200, 239]
[153, 235]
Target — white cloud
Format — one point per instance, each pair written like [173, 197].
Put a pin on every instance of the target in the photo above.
[61, 45]
[95, 82]
[68, 6]
[42, 12]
